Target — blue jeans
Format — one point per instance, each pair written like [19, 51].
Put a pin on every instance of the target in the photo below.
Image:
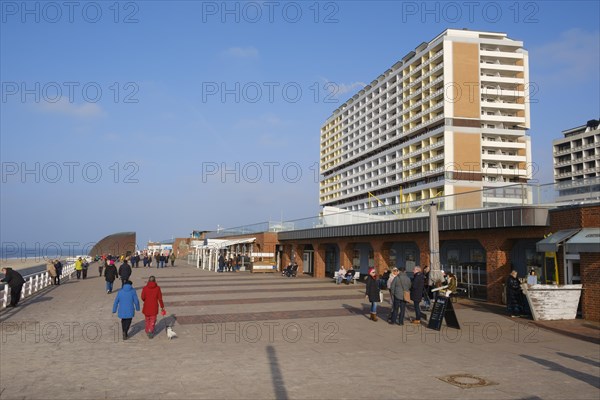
[340, 278]
[399, 304]
[373, 307]
[514, 309]
[109, 286]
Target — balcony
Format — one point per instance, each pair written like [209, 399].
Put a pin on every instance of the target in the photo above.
[503, 118]
[501, 79]
[500, 54]
[503, 158]
[503, 145]
[502, 105]
[500, 67]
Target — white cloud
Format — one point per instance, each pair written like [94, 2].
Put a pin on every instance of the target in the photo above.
[344, 88]
[241, 52]
[574, 56]
[262, 122]
[64, 107]
[338, 89]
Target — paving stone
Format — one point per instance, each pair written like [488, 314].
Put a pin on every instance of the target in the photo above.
[245, 336]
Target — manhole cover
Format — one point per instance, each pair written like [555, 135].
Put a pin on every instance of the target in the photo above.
[466, 381]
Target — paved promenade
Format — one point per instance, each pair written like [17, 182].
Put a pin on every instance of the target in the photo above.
[263, 336]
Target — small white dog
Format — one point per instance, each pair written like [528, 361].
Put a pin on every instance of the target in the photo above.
[171, 333]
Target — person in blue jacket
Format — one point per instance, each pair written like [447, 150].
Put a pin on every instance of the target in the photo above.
[125, 301]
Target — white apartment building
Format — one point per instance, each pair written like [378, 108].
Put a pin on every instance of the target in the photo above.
[449, 119]
[577, 163]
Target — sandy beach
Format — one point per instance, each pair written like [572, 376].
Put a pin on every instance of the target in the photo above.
[19, 264]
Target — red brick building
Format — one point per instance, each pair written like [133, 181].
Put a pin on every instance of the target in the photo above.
[481, 247]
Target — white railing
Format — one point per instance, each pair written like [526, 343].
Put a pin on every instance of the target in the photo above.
[36, 282]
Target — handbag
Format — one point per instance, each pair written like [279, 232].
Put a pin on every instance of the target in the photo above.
[407, 297]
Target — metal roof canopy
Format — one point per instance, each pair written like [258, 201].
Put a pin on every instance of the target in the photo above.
[552, 242]
[222, 243]
[498, 218]
[233, 242]
[586, 241]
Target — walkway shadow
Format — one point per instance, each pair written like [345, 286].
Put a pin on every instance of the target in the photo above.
[580, 359]
[37, 297]
[161, 325]
[365, 311]
[582, 376]
[163, 322]
[136, 328]
[40, 299]
[592, 326]
[276, 376]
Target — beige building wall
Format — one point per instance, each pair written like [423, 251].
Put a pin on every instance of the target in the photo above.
[467, 151]
[466, 197]
[466, 80]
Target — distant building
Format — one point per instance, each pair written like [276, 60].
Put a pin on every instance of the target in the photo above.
[577, 163]
[450, 118]
[163, 247]
[117, 244]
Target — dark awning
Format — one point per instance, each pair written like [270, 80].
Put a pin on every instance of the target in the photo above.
[552, 242]
[586, 241]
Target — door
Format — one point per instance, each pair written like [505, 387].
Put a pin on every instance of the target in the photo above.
[307, 262]
[473, 278]
[573, 272]
[331, 261]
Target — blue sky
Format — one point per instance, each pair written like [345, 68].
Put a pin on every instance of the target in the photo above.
[164, 117]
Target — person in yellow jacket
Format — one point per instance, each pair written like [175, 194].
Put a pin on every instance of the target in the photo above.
[78, 267]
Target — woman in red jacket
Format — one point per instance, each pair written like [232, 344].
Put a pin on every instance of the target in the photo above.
[152, 298]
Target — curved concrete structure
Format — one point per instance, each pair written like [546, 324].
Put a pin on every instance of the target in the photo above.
[122, 243]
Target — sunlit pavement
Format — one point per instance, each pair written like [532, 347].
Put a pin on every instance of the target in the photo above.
[260, 336]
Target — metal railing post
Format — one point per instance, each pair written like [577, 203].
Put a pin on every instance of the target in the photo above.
[5, 297]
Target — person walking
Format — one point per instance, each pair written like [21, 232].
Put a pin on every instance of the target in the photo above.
[388, 284]
[238, 262]
[125, 301]
[416, 292]
[15, 282]
[51, 272]
[221, 263]
[372, 292]
[152, 298]
[513, 295]
[124, 272]
[78, 267]
[399, 286]
[172, 258]
[59, 267]
[101, 265]
[110, 274]
[84, 268]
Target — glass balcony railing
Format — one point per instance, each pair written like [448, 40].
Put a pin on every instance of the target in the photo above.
[520, 194]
